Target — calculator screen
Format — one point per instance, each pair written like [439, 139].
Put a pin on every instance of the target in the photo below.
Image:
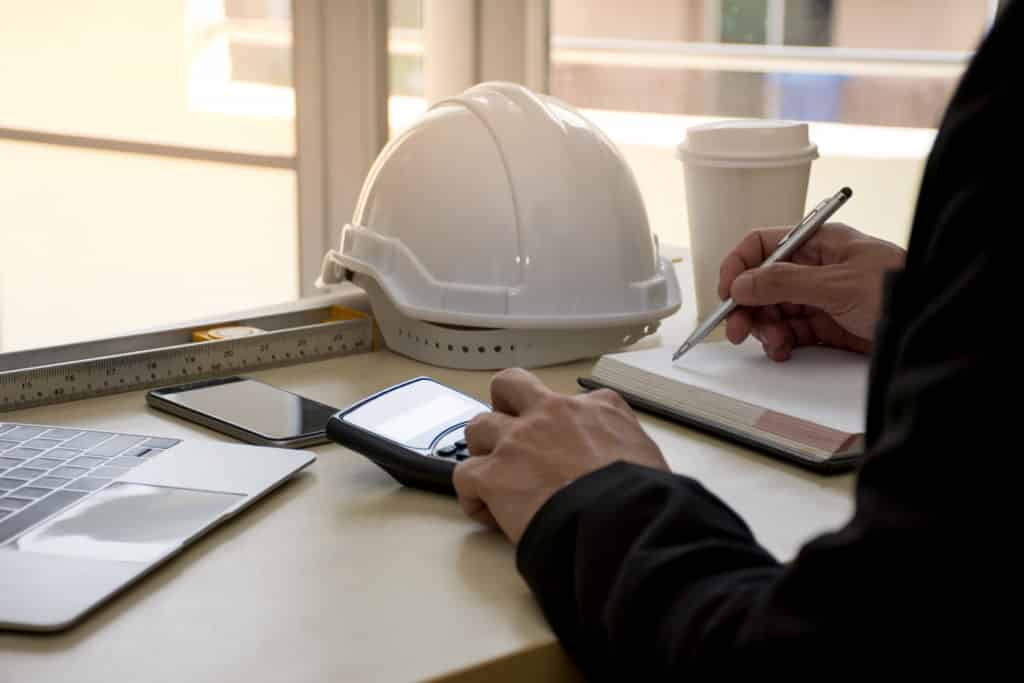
[415, 413]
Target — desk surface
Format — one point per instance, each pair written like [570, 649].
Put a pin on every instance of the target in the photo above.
[343, 575]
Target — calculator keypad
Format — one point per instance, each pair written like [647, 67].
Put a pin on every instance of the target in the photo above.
[453, 450]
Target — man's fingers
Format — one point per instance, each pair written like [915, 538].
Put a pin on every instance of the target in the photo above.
[514, 390]
[749, 253]
[467, 479]
[786, 283]
[484, 516]
[484, 430]
[739, 325]
[758, 245]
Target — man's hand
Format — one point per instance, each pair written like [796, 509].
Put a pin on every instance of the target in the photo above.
[829, 293]
[535, 442]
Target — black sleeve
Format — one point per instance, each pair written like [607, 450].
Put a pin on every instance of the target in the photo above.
[646, 576]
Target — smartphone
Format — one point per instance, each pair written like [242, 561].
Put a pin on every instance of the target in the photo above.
[248, 410]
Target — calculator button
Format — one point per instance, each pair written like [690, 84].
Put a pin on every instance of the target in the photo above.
[446, 451]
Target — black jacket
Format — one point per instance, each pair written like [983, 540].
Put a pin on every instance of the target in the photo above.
[645, 575]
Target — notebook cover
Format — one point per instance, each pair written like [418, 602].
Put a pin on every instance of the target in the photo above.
[834, 465]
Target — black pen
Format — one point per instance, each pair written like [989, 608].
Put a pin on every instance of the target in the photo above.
[793, 240]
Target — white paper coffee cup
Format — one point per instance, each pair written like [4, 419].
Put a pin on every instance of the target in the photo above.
[740, 175]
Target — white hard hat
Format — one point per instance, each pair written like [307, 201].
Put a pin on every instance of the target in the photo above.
[504, 229]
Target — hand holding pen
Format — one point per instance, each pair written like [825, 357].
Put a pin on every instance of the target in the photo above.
[825, 290]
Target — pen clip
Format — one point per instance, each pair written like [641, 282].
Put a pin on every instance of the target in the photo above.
[791, 233]
[810, 217]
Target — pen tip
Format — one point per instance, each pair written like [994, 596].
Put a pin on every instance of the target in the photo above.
[846, 192]
[682, 349]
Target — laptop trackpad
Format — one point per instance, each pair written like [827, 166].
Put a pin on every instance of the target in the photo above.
[129, 522]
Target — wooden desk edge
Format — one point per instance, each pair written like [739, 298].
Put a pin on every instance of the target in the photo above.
[545, 662]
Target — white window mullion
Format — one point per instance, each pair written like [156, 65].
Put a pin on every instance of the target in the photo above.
[775, 22]
[450, 63]
[341, 90]
[307, 65]
[537, 45]
[513, 42]
[468, 41]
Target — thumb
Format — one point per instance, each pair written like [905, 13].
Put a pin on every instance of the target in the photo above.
[782, 283]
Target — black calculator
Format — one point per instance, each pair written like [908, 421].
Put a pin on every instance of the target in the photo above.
[414, 430]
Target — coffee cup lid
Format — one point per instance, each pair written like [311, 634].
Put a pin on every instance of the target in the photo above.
[747, 143]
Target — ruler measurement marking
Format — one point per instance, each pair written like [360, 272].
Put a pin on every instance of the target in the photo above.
[147, 368]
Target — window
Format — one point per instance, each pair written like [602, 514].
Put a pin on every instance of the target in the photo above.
[171, 160]
[871, 76]
[148, 152]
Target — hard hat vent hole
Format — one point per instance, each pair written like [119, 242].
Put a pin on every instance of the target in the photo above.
[451, 348]
[465, 349]
[497, 349]
[481, 349]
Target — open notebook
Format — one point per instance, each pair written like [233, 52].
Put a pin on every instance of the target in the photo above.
[810, 409]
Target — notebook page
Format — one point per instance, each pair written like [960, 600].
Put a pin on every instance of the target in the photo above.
[824, 386]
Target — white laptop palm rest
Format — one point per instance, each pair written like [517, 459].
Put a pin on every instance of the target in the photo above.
[84, 513]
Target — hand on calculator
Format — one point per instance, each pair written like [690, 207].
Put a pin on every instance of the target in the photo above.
[536, 441]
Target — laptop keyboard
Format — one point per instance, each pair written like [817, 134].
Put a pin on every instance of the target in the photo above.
[44, 470]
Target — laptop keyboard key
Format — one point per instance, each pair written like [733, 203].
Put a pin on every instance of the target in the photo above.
[69, 472]
[56, 501]
[62, 454]
[115, 445]
[24, 473]
[31, 492]
[87, 440]
[50, 482]
[161, 443]
[137, 452]
[125, 461]
[110, 472]
[86, 462]
[24, 433]
[13, 502]
[88, 484]
[62, 434]
[45, 463]
[42, 444]
[24, 453]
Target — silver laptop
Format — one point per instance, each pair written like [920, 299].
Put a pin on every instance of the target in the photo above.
[84, 513]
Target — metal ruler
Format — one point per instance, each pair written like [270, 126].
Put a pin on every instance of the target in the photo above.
[110, 366]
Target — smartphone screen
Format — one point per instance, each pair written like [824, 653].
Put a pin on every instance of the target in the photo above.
[260, 408]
